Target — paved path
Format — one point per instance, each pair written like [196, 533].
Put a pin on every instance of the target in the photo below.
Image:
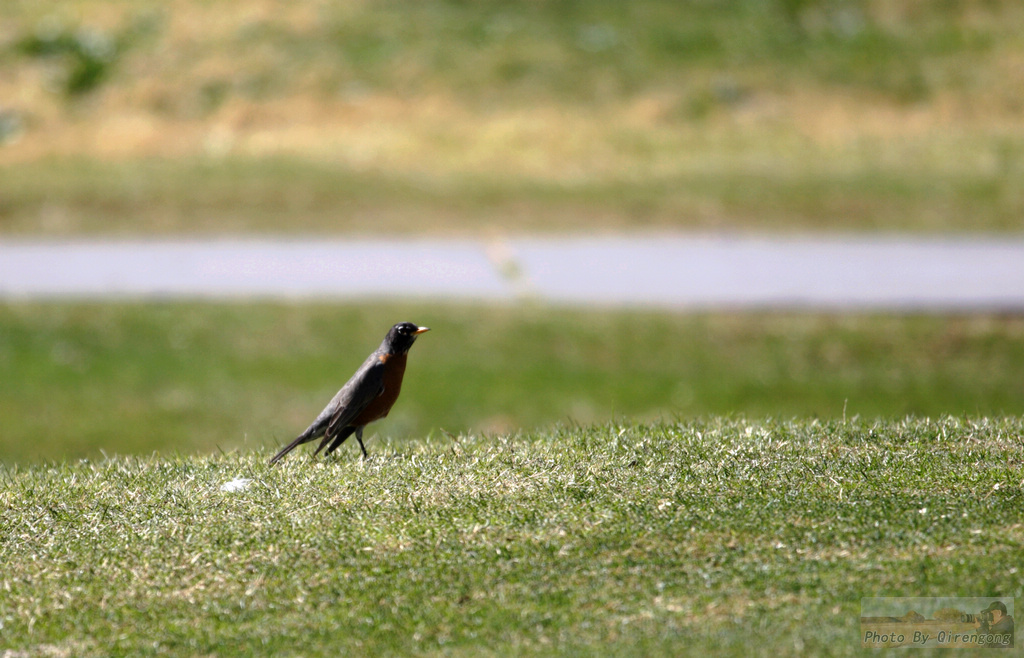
[674, 271]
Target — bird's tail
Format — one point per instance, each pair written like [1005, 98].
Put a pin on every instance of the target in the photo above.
[299, 440]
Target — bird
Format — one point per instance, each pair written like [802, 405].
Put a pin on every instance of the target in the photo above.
[367, 396]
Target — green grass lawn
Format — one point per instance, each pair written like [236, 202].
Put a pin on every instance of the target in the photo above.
[551, 482]
[78, 379]
[716, 536]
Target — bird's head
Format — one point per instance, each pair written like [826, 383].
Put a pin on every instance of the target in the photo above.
[401, 337]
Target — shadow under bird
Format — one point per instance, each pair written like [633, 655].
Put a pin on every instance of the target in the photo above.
[366, 397]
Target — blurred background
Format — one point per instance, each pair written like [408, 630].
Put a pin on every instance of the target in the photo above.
[484, 119]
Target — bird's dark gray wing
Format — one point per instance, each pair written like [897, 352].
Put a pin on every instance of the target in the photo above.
[346, 404]
[353, 398]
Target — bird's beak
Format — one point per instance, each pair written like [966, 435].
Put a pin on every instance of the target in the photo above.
[420, 331]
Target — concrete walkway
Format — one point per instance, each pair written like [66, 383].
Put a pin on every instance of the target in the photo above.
[668, 271]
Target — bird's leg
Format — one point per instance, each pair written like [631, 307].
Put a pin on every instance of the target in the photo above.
[359, 438]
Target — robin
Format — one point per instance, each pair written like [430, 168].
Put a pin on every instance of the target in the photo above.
[366, 397]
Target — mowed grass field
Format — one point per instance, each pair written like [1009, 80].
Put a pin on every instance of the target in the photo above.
[552, 481]
[133, 378]
[720, 537]
[467, 117]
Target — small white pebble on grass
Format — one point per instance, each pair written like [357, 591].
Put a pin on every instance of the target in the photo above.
[238, 484]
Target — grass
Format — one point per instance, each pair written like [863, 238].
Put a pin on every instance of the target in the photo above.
[420, 117]
[551, 482]
[138, 377]
[724, 536]
[718, 185]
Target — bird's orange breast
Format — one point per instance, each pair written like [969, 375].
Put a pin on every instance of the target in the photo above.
[394, 371]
